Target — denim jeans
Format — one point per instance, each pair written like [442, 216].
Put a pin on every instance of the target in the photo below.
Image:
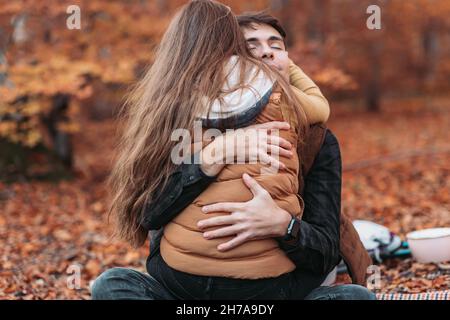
[169, 284]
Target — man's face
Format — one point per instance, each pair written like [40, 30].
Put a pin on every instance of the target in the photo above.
[266, 43]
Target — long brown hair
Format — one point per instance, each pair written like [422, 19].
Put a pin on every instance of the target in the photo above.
[188, 66]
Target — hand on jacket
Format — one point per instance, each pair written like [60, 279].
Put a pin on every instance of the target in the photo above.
[259, 218]
[218, 153]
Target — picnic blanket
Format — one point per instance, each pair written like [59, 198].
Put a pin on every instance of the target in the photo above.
[435, 295]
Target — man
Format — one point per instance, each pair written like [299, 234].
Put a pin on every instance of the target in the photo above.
[314, 242]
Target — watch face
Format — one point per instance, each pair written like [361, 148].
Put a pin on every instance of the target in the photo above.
[296, 229]
[292, 231]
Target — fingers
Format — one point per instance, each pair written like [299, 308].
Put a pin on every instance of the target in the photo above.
[216, 221]
[277, 140]
[276, 150]
[233, 243]
[222, 207]
[222, 232]
[252, 184]
[272, 161]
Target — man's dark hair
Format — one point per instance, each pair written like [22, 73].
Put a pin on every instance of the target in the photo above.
[246, 20]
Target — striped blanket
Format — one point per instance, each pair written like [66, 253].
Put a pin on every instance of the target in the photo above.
[435, 295]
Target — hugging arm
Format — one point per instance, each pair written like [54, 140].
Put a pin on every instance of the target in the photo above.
[311, 98]
[184, 185]
[189, 180]
[317, 248]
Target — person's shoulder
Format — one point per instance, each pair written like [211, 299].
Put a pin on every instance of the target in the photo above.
[330, 137]
[329, 149]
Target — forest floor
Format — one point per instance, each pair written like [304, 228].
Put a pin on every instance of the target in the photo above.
[396, 173]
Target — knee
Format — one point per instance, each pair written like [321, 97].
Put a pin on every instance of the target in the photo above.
[357, 292]
[103, 285]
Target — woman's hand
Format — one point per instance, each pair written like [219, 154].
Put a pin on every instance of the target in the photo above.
[228, 147]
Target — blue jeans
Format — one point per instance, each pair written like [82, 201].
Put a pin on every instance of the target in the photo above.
[129, 284]
[341, 292]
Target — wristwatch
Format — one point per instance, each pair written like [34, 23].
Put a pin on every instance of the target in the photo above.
[292, 232]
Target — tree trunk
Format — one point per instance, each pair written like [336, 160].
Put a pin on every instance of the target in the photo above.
[430, 43]
[373, 90]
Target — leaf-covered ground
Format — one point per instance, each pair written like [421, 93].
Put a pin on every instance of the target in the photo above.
[396, 173]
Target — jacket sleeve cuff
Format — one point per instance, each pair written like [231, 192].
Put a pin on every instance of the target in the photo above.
[192, 173]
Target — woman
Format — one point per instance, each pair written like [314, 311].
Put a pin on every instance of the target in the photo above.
[202, 49]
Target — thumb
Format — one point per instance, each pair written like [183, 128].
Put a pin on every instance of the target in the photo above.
[251, 183]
